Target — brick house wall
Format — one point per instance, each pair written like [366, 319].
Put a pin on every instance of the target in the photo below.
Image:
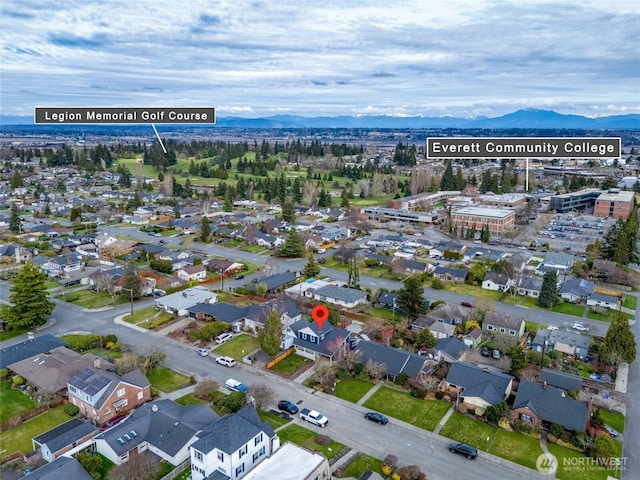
[122, 399]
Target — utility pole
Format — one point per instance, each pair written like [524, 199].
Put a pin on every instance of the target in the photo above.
[130, 291]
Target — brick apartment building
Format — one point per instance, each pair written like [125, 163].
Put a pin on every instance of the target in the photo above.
[499, 220]
[614, 203]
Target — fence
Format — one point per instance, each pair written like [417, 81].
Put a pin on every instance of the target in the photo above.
[280, 357]
[177, 471]
[12, 422]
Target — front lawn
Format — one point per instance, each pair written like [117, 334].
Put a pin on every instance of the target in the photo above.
[630, 301]
[306, 438]
[472, 290]
[19, 438]
[613, 419]
[13, 402]
[597, 316]
[189, 399]
[239, 346]
[253, 248]
[276, 421]
[569, 309]
[352, 390]
[515, 447]
[149, 318]
[13, 332]
[166, 380]
[572, 465]
[421, 413]
[362, 463]
[463, 429]
[290, 365]
[90, 299]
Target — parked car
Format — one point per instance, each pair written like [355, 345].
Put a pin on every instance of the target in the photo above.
[463, 449]
[611, 431]
[287, 406]
[113, 422]
[203, 352]
[580, 327]
[467, 304]
[239, 277]
[484, 351]
[376, 417]
[496, 354]
[223, 337]
[226, 361]
[158, 293]
[235, 386]
[314, 417]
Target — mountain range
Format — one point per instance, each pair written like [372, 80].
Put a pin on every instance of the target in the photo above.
[522, 119]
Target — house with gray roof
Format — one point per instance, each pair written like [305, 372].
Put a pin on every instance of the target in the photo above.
[577, 290]
[274, 282]
[63, 467]
[59, 440]
[541, 405]
[163, 427]
[312, 342]
[564, 341]
[495, 322]
[476, 387]
[179, 302]
[496, 281]
[560, 262]
[232, 446]
[451, 274]
[450, 349]
[530, 286]
[561, 380]
[602, 300]
[396, 361]
[343, 296]
[28, 349]
[387, 300]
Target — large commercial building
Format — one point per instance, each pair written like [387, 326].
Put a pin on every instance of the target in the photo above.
[614, 203]
[580, 200]
[507, 200]
[397, 214]
[423, 201]
[499, 220]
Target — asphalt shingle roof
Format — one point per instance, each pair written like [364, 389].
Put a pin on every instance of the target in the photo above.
[29, 348]
[477, 382]
[397, 361]
[63, 467]
[65, 434]
[344, 294]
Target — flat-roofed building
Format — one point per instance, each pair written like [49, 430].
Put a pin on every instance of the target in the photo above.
[291, 462]
[424, 200]
[499, 220]
[507, 200]
[397, 214]
[614, 203]
[579, 200]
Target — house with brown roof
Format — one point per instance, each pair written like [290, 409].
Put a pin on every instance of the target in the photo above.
[192, 272]
[501, 323]
[101, 395]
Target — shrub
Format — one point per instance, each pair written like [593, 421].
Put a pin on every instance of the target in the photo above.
[436, 304]
[109, 338]
[70, 409]
[154, 392]
[4, 373]
[580, 440]
[323, 440]
[18, 380]
[401, 379]
[437, 284]
[418, 393]
[440, 394]
[390, 460]
[556, 430]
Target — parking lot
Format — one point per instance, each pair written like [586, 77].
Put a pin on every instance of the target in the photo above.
[572, 232]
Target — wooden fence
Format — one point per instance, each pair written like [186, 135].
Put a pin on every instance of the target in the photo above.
[280, 357]
[12, 422]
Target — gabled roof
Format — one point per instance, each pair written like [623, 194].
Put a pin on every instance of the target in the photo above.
[169, 427]
[28, 348]
[388, 298]
[341, 293]
[477, 382]
[232, 431]
[278, 280]
[570, 338]
[63, 467]
[92, 380]
[578, 287]
[533, 284]
[503, 320]
[550, 405]
[452, 347]
[497, 278]
[65, 434]
[560, 380]
[329, 335]
[447, 312]
[556, 258]
[397, 361]
[453, 272]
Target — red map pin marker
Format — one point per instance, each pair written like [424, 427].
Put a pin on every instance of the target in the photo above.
[320, 313]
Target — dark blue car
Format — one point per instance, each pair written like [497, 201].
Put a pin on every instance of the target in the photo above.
[376, 417]
[287, 406]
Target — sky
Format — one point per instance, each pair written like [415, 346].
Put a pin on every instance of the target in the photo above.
[323, 58]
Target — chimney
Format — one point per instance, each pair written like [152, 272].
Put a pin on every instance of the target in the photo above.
[544, 385]
[96, 362]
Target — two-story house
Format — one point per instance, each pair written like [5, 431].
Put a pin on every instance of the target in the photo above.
[66, 263]
[232, 446]
[102, 395]
[312, 342]
[494, 322]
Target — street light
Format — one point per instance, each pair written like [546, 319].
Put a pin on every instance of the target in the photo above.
[131, 291]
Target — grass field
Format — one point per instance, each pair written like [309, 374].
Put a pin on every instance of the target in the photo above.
[385, 314]
[613, 419]
[276, 421]
[149, 318]
[306, 438]
[630, 301]
[573, 465]
[421, 413]
[189, 399]
[90, 299]
[352, 390]
[597, 316]
[290, 365]
[515, 447]
[166, 380]
[19, 438]
[463, 429]
[14, 332]
[13, 402]
[569, 309]
[472, 290]
[362, 463]
[239, 346]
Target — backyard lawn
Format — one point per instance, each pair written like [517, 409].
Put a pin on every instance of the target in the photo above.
[362, 463]
[290, 365]
[386, 314]
[421, 413]
[276, 421]
[19, 438]
[306, 438]
[90, 299]
[13, 402]
[239, 346]
[352, 390]
[466, 430]
[630, 301]
[166, 380]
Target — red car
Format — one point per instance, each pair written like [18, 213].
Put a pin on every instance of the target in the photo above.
[113, 422]
[467, 304]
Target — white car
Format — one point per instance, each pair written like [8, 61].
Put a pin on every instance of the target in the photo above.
[611, 431]
[580, 327]
[226, 361]
[203, 352]
[224, 337]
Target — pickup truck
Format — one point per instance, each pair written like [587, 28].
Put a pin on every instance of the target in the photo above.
[314, 417]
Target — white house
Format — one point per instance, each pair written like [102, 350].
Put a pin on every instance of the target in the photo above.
[192, 272]
[180, 302]
[232, 446]
[343, 296]
[496, 281]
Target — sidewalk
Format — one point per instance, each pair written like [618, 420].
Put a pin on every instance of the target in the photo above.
[367, 395]
[444, 420]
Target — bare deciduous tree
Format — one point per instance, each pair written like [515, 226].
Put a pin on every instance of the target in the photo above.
[504, 342]
[420, 180]
[205, 389]
[376, 370]
[310, 190]
[343, 356]
[529, 373]
[262, 395]
[138, 467]
[365, 187]
[505, 363]
[103, 282]
[428, 383]
[325, 374]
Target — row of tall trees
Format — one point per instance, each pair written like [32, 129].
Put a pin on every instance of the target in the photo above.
[619, 243]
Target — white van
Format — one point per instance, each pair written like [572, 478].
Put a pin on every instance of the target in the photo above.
[235, 386]
[224, 337]
[226, 361]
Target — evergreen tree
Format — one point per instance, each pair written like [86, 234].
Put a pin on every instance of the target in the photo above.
[460, 183]
[228, 202]
[344, 202]
[448, 181]
[292, 247]
[288, 213]
[311, 269]
[15, 221]
[549, 292]
[296, 191]
[485, 234]
[619, 344]
[411, 299]
[29, 297]
[354, 273]
[270, 335]
[425, 339]
[205, 229]
[131, 283]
